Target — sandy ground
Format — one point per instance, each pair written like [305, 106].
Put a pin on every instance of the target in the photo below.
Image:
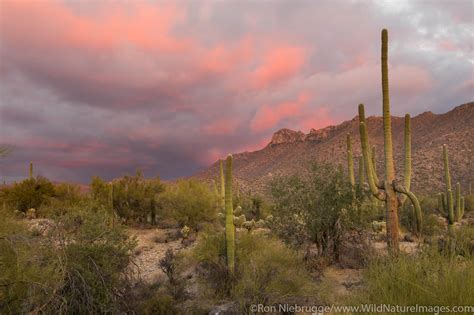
[151, 248]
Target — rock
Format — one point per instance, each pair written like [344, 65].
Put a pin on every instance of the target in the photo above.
[319, 135]
[286, 136]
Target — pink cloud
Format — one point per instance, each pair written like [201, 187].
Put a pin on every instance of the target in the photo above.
[221, 126]
[280, 63]
[410, 80]
[447, 45]
[138, 23]
[268, 116]
[317, 118]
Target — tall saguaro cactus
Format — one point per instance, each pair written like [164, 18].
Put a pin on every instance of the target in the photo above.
[222, 192]
[229, 217]
[388, 190]
[31, 170]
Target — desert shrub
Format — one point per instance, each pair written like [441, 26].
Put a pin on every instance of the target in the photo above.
[189, 202]
[267, 271]
[430, 224]
[427, 278]
[30, 193]
[464, 244]
[254, 207]
[133, 197]
[469, 202]
[68, 193]
[87, 270]
[320, 207]
[429, 203]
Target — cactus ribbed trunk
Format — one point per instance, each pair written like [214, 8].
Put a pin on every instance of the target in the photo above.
[350, 161]
[361, 171]
[222, 195]
[31, 170]
[391, 208]
[407, 166]
[458, 215]
[229, 218]
[447, 175]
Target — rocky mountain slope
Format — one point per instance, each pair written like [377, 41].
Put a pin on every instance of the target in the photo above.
[292, 152]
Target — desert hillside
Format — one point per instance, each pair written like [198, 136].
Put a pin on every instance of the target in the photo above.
[291, 152]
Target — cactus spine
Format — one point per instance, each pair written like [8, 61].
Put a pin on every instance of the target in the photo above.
[387, 189]
[229, 217]
[350, 161]
[31, 170]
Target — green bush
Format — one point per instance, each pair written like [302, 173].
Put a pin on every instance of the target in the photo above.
[320, 207]
[68, 193]
[81, 266]
[469, 202]
[267, 271]
[189, 202]
[133, 197]
[30, 193]
[254, 207]
[427, 278]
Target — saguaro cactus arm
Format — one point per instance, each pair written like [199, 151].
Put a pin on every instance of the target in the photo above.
[368, 165]
[449, 198]
[415, 203]
[371, 160]
[378, 182]
[361, 171]
[442, 204]
[457, 214]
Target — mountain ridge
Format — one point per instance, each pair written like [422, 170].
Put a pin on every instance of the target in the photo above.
[291, 152]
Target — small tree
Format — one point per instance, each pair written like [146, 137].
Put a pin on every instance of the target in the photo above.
[319, 208]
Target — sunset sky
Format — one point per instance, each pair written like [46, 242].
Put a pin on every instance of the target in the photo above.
[103, 88]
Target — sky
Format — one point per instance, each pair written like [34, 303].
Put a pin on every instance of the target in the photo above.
[105, 88]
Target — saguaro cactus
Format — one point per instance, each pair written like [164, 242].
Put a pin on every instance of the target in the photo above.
[229, 217]
[387, 189]
[448, 208]
[31, 170]
[222, 195]
[350, 161]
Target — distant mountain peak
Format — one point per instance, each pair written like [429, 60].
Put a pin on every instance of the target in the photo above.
[286, 135]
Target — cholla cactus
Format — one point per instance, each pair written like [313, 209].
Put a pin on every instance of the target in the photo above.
[185, 232]
[238, 210]
[260, 224]
[249, 225]
[238, 221]
[387, 189]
